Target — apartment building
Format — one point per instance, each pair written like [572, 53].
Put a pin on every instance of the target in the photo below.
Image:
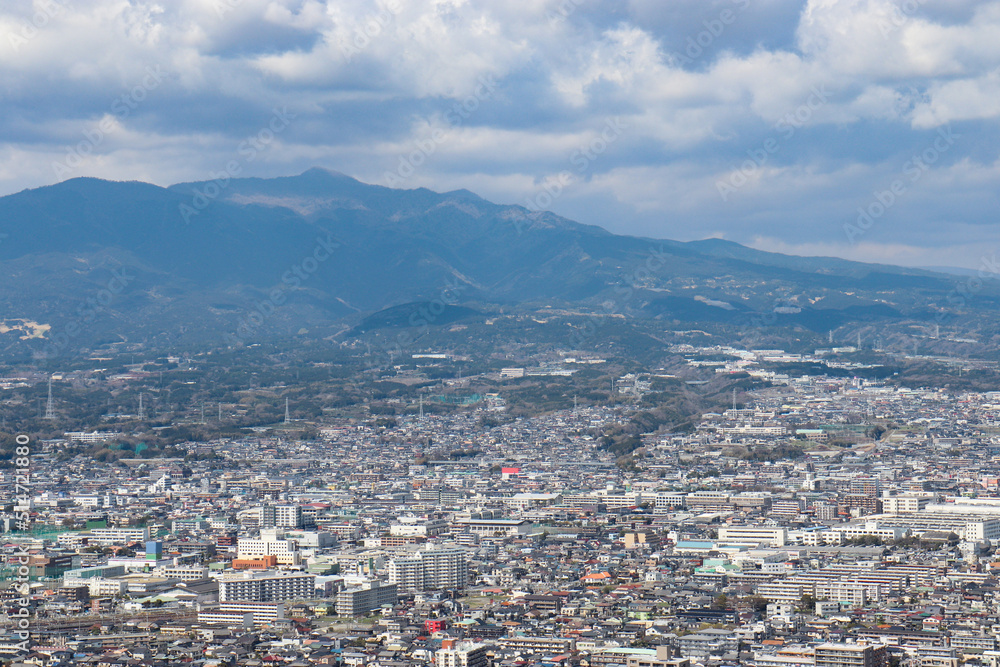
[267, 587]
[432, 569]
[236, 614]
[280, 516]
[453, 654]
[850, 655]
[359, 600]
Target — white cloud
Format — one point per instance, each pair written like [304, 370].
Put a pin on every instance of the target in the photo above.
[369, 78]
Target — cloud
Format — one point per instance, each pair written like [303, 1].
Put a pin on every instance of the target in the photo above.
[845, 92]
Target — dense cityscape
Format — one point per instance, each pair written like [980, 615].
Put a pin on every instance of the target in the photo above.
[819, 520]
[530, 333]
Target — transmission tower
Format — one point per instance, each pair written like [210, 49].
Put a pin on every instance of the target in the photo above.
[50, 412]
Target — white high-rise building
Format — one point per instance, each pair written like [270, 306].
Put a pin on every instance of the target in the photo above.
[429, 570]
[280, 516]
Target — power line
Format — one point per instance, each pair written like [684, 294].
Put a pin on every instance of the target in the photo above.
[50, 412]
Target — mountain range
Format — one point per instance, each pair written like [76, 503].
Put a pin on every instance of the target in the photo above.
[87, 262]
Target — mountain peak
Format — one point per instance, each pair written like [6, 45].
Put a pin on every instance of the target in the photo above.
[370, 247]
[316, 173]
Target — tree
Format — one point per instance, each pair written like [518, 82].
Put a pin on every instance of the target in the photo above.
[876, 432]
[756, 602]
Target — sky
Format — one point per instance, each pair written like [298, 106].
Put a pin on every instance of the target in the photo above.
[864, 129]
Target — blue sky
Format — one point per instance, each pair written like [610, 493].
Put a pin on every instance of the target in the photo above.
[864, 129]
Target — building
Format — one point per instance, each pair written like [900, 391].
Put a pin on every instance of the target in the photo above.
[526, 501]
[280, 516]
[775, 537]
[551, 645]
[262, 563]
[464, 654]
[852, 531]
[430, 570]
[359, 600]
[267, 587]
[668, 501]
[851, 655]
[182, 572]
[866, 486]
[92, 437]
[972, 526]
[707, 642]
[909, 504]
[708, 501]
[408, 527]
[240, 614]
[977, 642]
[861, 503]
[100, 586]
[826, 511]
[495, 527]
[312, 539]
[106, 537]
[270, 543]
[81, 575]
[49, 565]
[787, 507]
[661, 656]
